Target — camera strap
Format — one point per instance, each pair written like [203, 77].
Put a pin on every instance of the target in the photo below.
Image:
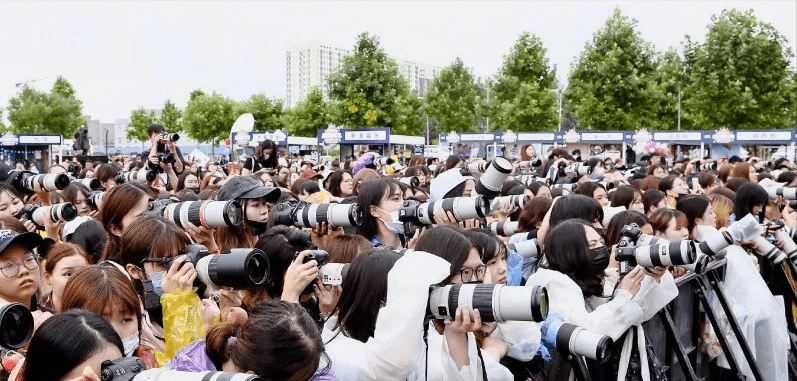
[484, 368]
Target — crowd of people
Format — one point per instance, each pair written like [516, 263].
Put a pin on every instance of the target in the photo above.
[119, 280]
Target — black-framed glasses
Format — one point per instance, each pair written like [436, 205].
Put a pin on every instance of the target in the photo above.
[470, 274]
[11, 269]
[167, 262]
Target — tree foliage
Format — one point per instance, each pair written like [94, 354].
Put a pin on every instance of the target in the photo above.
[139, 123]
[612, 85]
[59, 111]
[524, 95]
[171, 117]
[739, 76]
[669, 79]
[209, 117]
[268, 113]
[309, 115]
[369, 91]
[453, 98]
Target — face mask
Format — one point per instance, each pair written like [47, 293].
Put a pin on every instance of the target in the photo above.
[130, 344]
[600, 257]
[157, 279]
[433, 167]
[266, 156]
[394, 225]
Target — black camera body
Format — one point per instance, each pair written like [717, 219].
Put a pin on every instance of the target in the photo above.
[123, 369]
[626, 247]
[320, 256]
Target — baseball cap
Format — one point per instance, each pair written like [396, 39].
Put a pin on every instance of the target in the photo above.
[245, 187]
[29, 240]
[445, 182]
[310, 174]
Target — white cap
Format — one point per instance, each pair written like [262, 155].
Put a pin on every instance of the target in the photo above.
[71, 226]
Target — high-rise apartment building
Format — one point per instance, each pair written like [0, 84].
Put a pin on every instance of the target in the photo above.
[307, 66]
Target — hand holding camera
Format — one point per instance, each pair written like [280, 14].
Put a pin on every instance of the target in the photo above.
[300, 273]
[179, 277]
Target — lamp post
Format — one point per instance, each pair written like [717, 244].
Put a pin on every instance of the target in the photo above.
[106, 141]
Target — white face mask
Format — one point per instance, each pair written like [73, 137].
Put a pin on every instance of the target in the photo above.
[394, 225]
[266, 156]
[130, 344]
[433, 167]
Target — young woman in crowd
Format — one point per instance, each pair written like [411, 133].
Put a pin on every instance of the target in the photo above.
[698, 212]
[629, 197]
[341, 184]
[107, 173]
[670, 224]
[380, 201]
[674, 188]
[120, 207]
[63, 261]
[594, 190]
[255, 200]
[77, 193]
[107, 291]
[653, 200]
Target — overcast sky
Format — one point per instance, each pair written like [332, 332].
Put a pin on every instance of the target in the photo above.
[123, 55]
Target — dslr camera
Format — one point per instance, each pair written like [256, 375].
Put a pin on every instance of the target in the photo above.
[306, 215]
[25, 182]
[134, 369]
[58, 212]
[415, 214]
[495, 302]
[240, 268]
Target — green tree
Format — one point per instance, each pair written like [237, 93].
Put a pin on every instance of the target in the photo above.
[171, 117]
[612, 85]
[209, 117]
[453, 98]
[139, 123]
[369, 91]
[739, 76]
[268, 113]
[195, 93]
[309, 115]
[59, 111]
[524, 95]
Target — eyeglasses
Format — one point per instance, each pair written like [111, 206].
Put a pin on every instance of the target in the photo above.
[166, 262]
[11, 269]
[468, 274]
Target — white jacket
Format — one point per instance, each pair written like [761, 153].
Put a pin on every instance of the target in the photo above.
[607, 317]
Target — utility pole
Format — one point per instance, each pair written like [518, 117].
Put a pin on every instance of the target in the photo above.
[106, 141]
[427, 130]
[560, 109]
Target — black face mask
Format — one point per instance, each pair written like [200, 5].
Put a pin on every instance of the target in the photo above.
[600, 257]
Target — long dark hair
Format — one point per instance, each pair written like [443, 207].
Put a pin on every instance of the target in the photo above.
[624, 196]
[371, 194]
[448, 243]
[567, 251]
[271, 162]
[278, 342]
[748, 196]
[620, 220]
[66, 340]
[334, 182]
[115, 205]
[364, 290]
[281, 244]
[486, 243]
[693, 207]
[576, 206]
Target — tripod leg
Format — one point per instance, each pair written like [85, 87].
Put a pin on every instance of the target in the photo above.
[701, 293]
[748, 354]
[680, 352]
[579, 368]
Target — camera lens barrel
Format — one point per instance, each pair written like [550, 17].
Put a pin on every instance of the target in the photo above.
[210, 214]
[504, 229]
[578, 341]
[770, 251]
[527, 249]
[172, 137]
[463, 208]
[517, 201]
[16, 325]
[58, 212]
[412, 181]
[342, 215]
[91, 183]
[95, 199]
[495, 302]
[493, 178]
[665, 253]
[241, 268]
[479, 166]
[49, 182]
[716, 243]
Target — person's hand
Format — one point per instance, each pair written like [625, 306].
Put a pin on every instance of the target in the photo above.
[318, 234]
[632, 281]
[328, 296]
[42, 194]
[444, 218]
[180, 276]
[466, 320]
[29, 225]
[52, 228]
[656, 272]
[505, 210]
[470, 224]
[414, 240]
[210, 311]
[298, 276]
[203, 236]
[677, 272]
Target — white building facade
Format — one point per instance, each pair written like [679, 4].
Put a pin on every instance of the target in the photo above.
[307, 66]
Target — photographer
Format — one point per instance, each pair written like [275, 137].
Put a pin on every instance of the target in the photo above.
[266, 154]
[11, 204]
[107, 174]
[107, 291]
[63, 260]
[71, 346]
[380, 201]
[163, 146]
[167, 293]
[383, 302]
[120, 207]
[255, 200]
[576, 259]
